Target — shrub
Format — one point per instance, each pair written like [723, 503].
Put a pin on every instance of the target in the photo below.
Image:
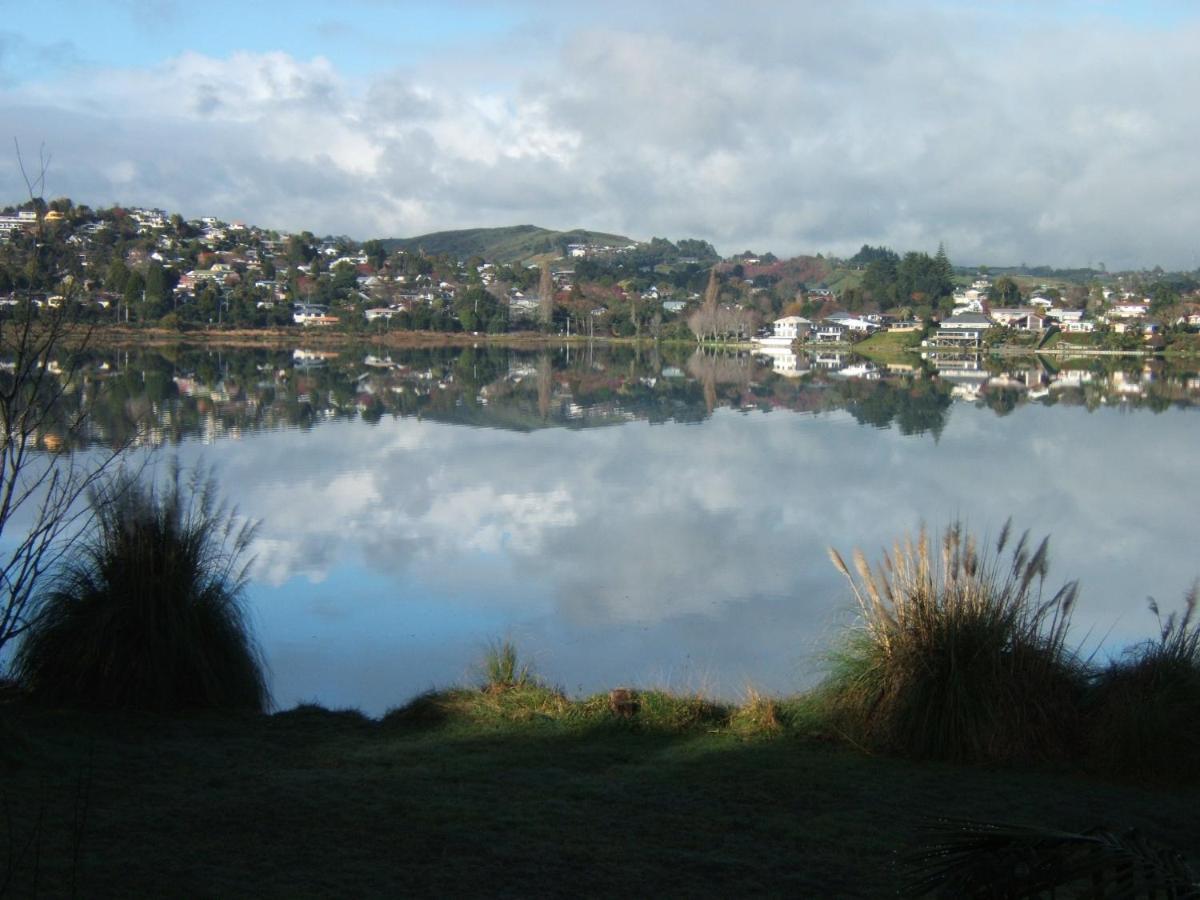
[502, 669]
[1144, 714]
[958, 658]
[149, 614]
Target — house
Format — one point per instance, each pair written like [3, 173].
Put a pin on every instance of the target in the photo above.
[309, 314]
[1129, 309]
[1065, 315]
[674, 306]
[1078, 326]
[26, 218]
[852, 322]
[963, 330]
[1019, 318]
[792, 327]
[829, 331]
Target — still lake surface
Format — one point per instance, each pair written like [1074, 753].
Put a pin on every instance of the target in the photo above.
[650, 519]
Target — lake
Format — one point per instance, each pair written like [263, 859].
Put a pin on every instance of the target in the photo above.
[649, 518]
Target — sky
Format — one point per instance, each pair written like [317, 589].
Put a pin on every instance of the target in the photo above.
[1059, 133]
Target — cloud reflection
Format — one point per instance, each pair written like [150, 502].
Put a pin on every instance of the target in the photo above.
[627, 551]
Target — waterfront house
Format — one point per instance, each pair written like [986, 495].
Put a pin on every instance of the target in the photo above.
[853, 322]
[963, 330]
[829, 331]
[791, 327]
[1019, 318]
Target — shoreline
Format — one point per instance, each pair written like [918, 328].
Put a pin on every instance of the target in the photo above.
[123, 336]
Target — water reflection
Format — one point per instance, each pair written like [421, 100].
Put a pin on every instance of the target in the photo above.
[685, 546]
[179, 394]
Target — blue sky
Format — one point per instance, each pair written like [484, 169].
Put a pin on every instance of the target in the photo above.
[360, 38]
[1038, 132]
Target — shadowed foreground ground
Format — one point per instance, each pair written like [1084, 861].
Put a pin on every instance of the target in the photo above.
[454, 802]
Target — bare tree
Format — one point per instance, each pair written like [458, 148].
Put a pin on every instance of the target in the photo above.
[44, 407]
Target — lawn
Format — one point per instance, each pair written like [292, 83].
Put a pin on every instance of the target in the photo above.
[890, 345]
[518, 794]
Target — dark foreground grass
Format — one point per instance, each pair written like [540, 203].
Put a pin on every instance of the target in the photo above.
[510, 793]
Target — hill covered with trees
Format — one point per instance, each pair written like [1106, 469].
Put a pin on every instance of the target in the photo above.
[514, 243]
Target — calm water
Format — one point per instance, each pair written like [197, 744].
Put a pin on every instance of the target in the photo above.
[649, 520]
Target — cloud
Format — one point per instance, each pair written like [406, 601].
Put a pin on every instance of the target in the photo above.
[672, 552]
[1056, 140]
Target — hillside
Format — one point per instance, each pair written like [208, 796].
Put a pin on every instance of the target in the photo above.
[510, 244]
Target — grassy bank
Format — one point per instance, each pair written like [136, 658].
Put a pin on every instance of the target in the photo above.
[511, 787]
[514, 792]
[890, 346]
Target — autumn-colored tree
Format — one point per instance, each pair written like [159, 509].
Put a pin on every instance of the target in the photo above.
[546, 297]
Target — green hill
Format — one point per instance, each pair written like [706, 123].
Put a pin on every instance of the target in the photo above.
[510, 244]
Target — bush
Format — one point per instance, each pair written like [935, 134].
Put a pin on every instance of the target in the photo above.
[957, 659]
[501, 669]
[1144, 714]
[149, 615]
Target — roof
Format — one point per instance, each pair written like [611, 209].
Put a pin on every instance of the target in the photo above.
[967, 319]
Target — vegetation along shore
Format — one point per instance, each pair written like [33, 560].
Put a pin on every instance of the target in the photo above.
[141, 755]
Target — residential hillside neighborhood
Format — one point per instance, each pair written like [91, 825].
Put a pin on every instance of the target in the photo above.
[973, 322]
[147, 267]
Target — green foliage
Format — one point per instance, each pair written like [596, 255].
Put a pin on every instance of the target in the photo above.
[149, 613]
[1005, 292]
[868, 255]
[503, 245]
[501, 668]
[958, 658]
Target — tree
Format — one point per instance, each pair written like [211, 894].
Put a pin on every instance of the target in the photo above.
[44, 406]
[1005, 292]
[546, 297]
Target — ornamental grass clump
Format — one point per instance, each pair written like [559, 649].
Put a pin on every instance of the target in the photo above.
[149, 613]
[1144, 710]
[502, 669]
[957, 657]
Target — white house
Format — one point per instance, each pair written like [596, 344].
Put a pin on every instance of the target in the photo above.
[852, 322]
[1128, 309]
[965, 329]
[792, 327]
[1065, 315]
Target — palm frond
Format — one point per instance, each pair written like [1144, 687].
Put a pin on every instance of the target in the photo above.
[964, 858]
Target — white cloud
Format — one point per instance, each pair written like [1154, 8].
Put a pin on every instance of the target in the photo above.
[794, 129]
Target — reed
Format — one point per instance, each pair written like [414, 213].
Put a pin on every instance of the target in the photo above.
[502, 668]
[957, 655]
[149, 613]
[1144, 710]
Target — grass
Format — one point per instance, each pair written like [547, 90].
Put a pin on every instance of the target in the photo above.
[520, 793]
[148, 613]
[502, 670]
[890, 345]
[958, 656]
[512, 787]
[1144, 710]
